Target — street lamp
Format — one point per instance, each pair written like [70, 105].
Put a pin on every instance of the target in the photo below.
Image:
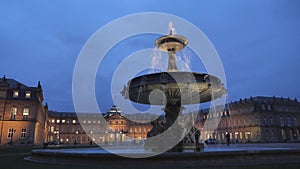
[121, 133]
[76, 139]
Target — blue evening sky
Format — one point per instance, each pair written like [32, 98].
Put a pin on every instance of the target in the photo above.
[257, 41]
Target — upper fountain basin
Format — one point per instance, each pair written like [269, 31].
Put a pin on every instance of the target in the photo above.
[170, 43]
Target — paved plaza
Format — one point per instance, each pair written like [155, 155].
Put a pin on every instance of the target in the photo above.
[213, 155]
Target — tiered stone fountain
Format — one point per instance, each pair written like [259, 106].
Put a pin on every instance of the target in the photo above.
[173, 89]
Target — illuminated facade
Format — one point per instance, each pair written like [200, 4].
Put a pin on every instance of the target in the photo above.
[65, 127]
[23, 118]
[255, 119]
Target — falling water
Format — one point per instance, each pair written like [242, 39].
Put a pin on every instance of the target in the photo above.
[160, 61]
[157, 61]
[183, 60]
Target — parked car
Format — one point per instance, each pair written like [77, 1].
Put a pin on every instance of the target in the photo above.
[210, 141]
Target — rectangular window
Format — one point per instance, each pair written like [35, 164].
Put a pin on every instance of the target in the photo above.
[15, 93]
[63, 121]
[25, 113]
[52, 129]
[269, 107]
[289, 121]
[57, 121]
[23, 133]
[52, 121]
[13, 113]
[10, 133]
[73, 121]
[27, 94]
[281, 121]
[271, 121]
[247, 135]
[263, 107]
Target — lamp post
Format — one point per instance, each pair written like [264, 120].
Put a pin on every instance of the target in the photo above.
[92, 140]
[106, 137]
[121, 133]
[76, 139]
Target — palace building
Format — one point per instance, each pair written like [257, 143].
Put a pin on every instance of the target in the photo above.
[66, 127]
[23, 118]
[255, 119]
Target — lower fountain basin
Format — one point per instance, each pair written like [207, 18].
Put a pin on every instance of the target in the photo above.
[235, 155]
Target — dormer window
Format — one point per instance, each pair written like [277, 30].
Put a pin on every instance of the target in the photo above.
[28, 94]
[16, 93]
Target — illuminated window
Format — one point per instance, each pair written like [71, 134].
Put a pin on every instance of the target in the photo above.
[23, 133]
[247, 135]
[27, 94]
[13, 113]
[25, 113]
[84, 121]
[73, 121]
[57, 121]
[52, 129]
[16, 93]
[63, 121]
[89, 121]
[10, 133]
[52, 121]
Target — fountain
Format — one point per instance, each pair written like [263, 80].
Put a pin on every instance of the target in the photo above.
[173, 88]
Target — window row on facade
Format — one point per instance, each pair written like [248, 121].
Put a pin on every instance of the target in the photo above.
[14, 113]
[16, 94]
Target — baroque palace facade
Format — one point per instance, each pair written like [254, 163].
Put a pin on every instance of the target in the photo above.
[255, 119]
[25, 120]
[67, 128]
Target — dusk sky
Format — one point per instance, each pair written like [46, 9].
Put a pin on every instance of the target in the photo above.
[257, 41]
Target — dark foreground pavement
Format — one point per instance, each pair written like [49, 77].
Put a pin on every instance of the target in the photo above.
[213, 155]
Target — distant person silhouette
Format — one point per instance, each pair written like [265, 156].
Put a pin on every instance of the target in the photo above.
[227, 138]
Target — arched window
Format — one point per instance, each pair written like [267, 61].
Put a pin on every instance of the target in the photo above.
[13, 113]
[25, 113]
